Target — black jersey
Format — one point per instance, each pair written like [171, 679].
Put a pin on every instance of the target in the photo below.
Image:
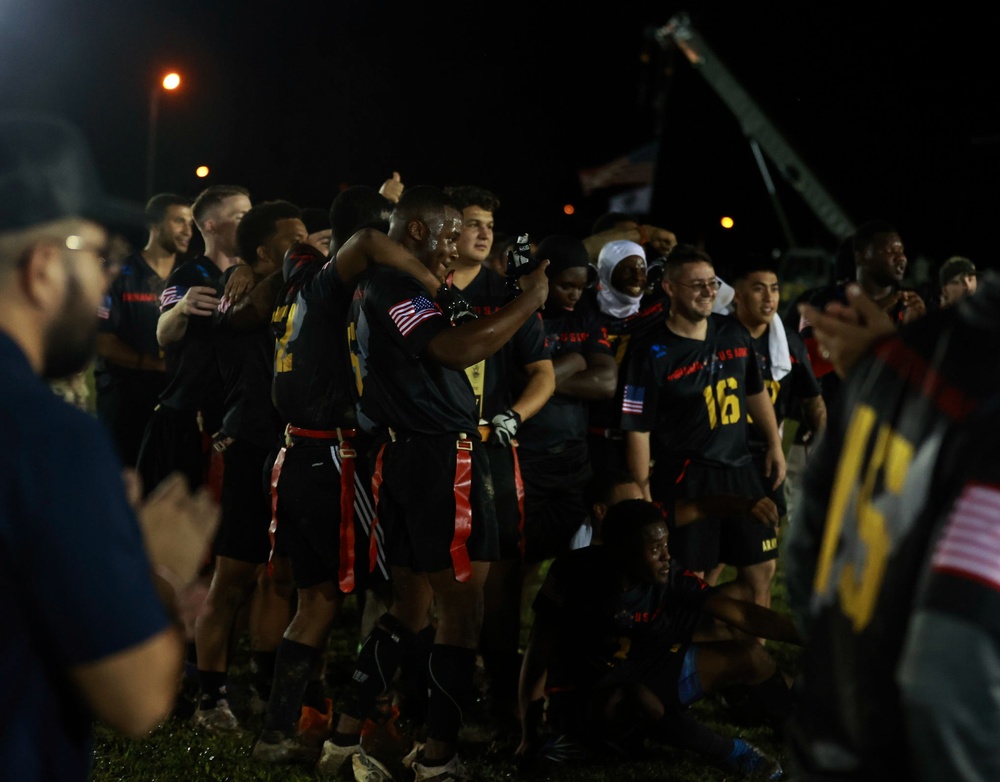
[245, 358]
[860, 535]
[799, 383]
[131, 309]
[691, 394]
[194, 382]
[497, 379]
[606, 413]
[599, 626]
[313, 382]
[403, 389]
[564, 418]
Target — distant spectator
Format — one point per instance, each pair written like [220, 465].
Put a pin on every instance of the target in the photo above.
[958, 278]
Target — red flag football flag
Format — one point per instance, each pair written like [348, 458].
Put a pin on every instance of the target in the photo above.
[635, 168]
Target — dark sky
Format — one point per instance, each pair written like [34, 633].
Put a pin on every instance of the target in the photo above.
[896, 114]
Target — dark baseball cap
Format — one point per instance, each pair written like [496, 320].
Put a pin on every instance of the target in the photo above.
[955, 266]
[47, 173]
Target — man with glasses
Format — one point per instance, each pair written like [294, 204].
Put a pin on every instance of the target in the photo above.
[87, 588]
[689, 388]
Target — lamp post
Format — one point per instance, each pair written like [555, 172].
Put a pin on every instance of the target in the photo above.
[169, 82]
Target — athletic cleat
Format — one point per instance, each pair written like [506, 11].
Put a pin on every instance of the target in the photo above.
[277, 749]
[410, 758]
[334, 756]
[218, 719]
[368, 769]
[452, 771]
[753, 763]
[258, 705]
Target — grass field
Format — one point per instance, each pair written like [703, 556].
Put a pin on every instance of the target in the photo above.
[176, 751]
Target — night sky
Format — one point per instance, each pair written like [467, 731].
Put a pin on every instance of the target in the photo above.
[897, 115]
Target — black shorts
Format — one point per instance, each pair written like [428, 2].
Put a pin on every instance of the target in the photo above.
[172, 441]
[554, 506]
[737, 541]
[508, 508]
[246, 505]
[416, 504]
[309, 515]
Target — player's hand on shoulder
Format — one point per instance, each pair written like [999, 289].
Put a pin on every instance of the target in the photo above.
[239, 284]
[199, 300]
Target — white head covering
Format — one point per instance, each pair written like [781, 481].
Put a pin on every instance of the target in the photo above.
[613, 302]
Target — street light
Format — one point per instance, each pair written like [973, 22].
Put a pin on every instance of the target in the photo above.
[170, 82]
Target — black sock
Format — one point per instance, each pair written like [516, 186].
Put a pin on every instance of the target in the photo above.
[294, 664]
[263, 672]
[450, 675]
[213, 688]
[413, 675]
[315, 695]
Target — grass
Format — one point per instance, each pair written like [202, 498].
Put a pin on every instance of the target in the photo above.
[176, 751]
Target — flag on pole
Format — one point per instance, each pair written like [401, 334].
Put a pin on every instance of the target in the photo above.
[635, 168]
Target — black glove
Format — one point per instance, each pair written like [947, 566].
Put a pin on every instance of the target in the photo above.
[453, 305]
[519, 261]
[505, 427]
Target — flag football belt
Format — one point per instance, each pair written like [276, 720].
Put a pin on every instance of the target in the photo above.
[463, 507]
[293, 434]
[484, 433]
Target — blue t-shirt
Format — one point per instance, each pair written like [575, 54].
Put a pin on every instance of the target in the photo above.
[75, 583]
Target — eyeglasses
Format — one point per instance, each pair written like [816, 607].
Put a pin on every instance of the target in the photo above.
[702, 286]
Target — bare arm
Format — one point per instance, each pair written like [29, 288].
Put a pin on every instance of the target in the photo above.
[531, 684]
[763, 418]
[660, 239]
[537, 391]
[637, 459]
[256, 308]
[111, 348]
[199, 301]
[814, 409]
[753, 619]
[473, 341]
[370, 246]
[597, 381]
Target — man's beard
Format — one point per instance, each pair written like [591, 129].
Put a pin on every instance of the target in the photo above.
[71, 340]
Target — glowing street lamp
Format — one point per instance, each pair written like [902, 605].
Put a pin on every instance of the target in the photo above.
[170, 82]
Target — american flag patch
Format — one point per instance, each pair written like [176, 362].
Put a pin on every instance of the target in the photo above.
[632, 402]
[408, 314]
[171, 296]
[970, 546]
[104, 308]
